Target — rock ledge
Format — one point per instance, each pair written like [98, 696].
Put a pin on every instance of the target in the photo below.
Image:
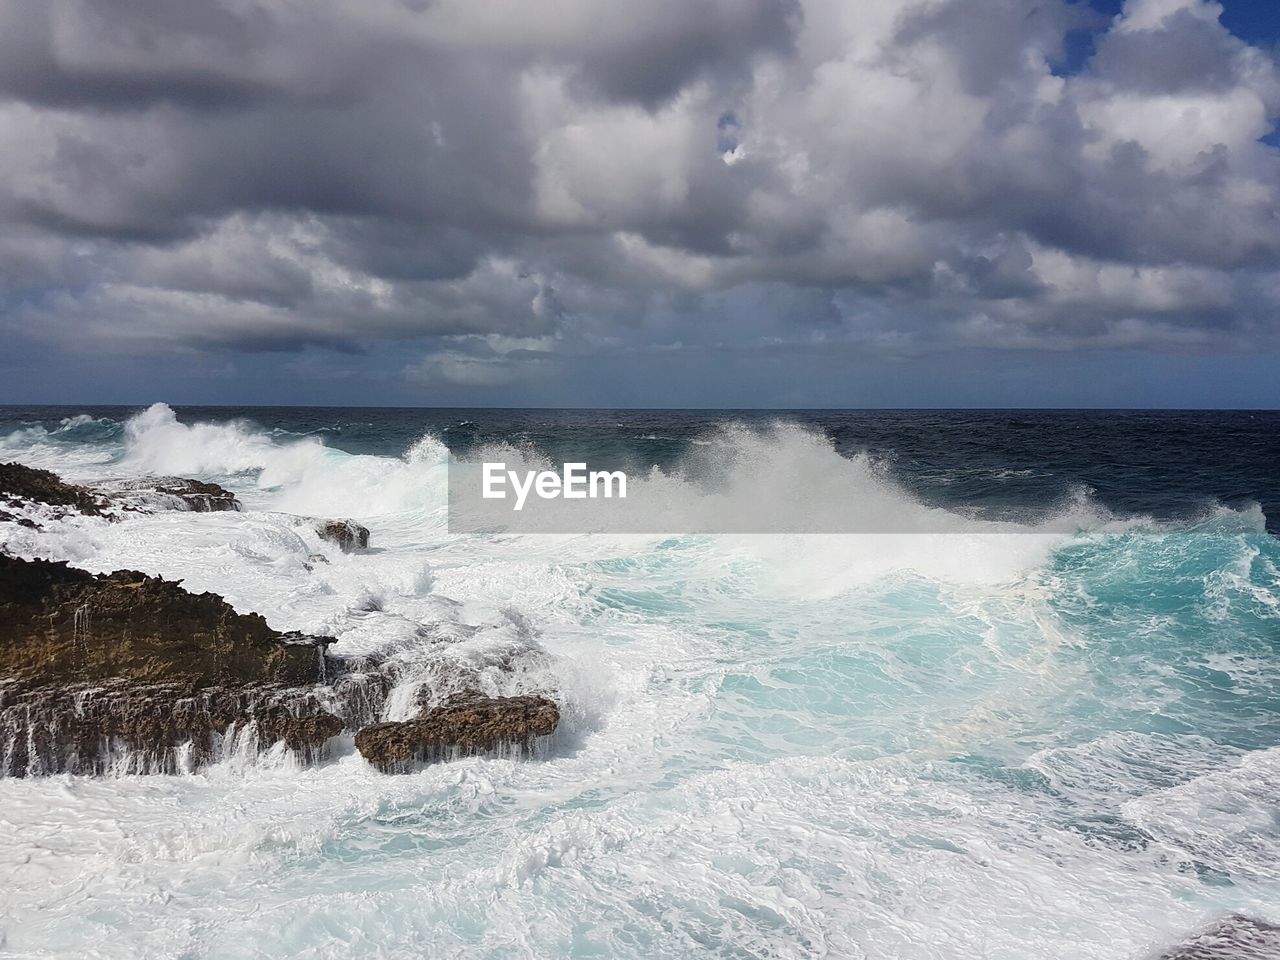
[467, 724]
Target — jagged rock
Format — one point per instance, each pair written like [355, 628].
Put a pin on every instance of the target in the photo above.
[150, 729]
[132, 673]
[20, 485]
[469, 723]
[93, 665]
[360, 692]
[302, 733]
[347, 534]
[1234, 937]
[175, 493]
[199, 495]
[62, 625]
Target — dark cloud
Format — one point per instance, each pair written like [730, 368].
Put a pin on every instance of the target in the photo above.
[517, 187]
[1184, 52]
[710, 40]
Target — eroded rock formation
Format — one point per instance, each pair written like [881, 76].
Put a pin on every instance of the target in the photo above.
[469, 723]
[131, 673]
[60, 624]
[173, 493]
[21, 486]
[347, 534]
[93, 667]
[162, 728]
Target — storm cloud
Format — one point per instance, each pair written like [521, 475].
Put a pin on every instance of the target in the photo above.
[503, 190]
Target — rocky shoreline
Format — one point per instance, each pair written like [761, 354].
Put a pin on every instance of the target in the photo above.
[123, 668]
[129, 673]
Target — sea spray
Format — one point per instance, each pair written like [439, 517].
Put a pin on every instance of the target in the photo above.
[1051, 738]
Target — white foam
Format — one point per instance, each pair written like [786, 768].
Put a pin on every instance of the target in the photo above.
[757, 754]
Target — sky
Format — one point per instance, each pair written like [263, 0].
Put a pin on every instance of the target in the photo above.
[690, 203]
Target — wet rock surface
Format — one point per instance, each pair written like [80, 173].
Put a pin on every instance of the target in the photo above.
[469, 723]
[172, 493]
[59, 624]
[21, 486]
[129, 673]
[95, 666]
[1234, 937]
[347, 534]
[199, 495]
[162, 728]
[299, 731]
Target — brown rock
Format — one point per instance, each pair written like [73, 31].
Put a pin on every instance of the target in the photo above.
[151, 729]
[469, 723]
[94, 669]
[199, 495]
[300, 732]
[63, 625]
[19, 484]
[179, 493]
[347, 534]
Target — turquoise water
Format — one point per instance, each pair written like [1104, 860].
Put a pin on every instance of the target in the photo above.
[1054, 742]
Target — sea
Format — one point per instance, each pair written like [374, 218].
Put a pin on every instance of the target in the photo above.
[999, 684]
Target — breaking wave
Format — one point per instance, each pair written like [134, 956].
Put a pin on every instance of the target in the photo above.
[1051, 735]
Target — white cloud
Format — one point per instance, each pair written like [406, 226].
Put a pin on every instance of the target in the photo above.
[267, 174]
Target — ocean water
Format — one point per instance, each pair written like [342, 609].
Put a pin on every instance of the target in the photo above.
[1053, 734]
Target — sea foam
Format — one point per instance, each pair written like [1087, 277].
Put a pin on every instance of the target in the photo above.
[1046, 737]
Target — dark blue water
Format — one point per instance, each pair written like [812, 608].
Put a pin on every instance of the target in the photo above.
[1016, 464]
